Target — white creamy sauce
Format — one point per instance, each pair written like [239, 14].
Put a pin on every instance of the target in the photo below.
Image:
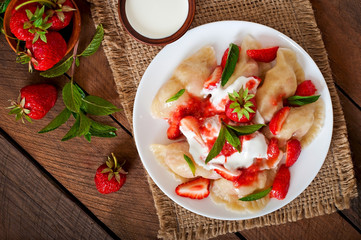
[219, 93]
[156, 18]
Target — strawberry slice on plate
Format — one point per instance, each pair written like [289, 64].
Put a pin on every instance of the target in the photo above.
[281, 183]
[226, 174]
[263, 55]
[293, 151]
[213, 79]
[306, 88]
[195, 189]
[278, 120]
[273, 150]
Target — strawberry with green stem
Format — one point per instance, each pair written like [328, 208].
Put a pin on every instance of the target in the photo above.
[110, 176]
[241, 106]
[30, 24]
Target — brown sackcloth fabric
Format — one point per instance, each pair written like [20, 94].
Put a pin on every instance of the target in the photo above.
[334, 185]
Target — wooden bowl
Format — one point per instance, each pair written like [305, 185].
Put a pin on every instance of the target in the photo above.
[70, 38]
[151, 41]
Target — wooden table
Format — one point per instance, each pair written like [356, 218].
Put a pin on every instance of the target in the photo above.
[46, 186]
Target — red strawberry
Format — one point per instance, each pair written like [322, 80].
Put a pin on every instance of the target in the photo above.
[241, 106]
[195, 189]
[213, 79]
[247, 177]
[35, 101]
[110, 177]
[278, 120]
[273, 151]
[225, 56]
[306, 88]
[173, 131]
[293, 151]
[29, 25]
[46, 55]
[226, 174]
[263, 55]
[281, 183]
[61, 15]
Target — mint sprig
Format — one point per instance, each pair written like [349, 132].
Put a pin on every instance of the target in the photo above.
[256, 196]
[231, 134]
[232, 58]
[302, 100]
[176, 96]
[63, 67]
[190, 164]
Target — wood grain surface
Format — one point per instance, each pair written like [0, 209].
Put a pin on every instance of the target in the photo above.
[58, 199]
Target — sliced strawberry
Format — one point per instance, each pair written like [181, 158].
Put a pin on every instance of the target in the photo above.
[226, 174]
[293, 151]
[263, 55]
[281, 183]
[173, 131]
[225, 56]
[278, 120]
[213, 79]
[306, 88]
[273, 150]
[195, 189]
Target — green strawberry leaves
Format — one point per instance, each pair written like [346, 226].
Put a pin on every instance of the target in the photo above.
[62, 68]
[231, 134]
[256, 196]
[78, 104]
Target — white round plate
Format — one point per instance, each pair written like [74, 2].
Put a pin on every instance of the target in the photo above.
[148, 130]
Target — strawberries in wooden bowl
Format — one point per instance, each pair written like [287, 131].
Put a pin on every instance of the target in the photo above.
[48, 30]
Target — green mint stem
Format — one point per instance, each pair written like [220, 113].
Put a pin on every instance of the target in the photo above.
[35, 1]
[74, 57]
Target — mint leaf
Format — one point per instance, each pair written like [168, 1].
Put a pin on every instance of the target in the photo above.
[102, 134]
[73, 130]
[71, 97]
[88, 136]
[233, 139]
[98, 106]
[84, 124]
[246, 130]
[176, 96]
[99, 127]
[58, 70]
[3, 6]
[80, 90]
[57, 121]
[95, 42]
[231, 62]
[218, 145]
[256, 196]
[302, 100]
[190, 164]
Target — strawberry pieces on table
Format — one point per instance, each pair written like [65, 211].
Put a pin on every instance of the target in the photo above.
[43, 55]
[213, 79]
[35, 101]
[241, 106]
[195, 189]
[61, 15]
[263, 55]
[281, 183]
[110, 176]
[293, 151]
[306, 88]
[278, 120]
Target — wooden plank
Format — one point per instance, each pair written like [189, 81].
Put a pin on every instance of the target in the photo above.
[94, 73]
[74, 163]
[33, 207]
[353, 117]
[340, 25]
[323, 227]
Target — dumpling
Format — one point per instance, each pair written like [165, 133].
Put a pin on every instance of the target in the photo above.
[280, 82]
[172, 157]
[189, 75]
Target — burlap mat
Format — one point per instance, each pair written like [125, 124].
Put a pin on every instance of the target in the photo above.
[334, 185]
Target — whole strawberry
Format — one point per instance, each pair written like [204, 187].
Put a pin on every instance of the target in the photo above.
[241, 106]
[61, 14]
[44, 55]
[110, 177]
[34, 101]
[29, 23]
